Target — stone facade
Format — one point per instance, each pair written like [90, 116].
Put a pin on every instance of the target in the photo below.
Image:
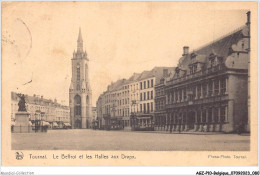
[209, 89]
[80, 94]
[131, 97]
[40, 108]
[160, 101]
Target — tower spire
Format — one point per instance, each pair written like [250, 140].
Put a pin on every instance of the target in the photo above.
[80, 42]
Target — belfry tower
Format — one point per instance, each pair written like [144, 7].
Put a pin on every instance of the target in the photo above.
[80, 94]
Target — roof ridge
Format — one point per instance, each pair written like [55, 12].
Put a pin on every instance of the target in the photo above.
[219, 38]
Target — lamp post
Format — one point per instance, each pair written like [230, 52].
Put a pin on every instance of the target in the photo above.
[114, 110]
[133, 115]
[35, 121]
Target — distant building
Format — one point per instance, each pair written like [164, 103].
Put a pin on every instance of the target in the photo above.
[114, 102]
[94, 114]
[144, 118]
[134, 96]
[80, 94]
[46, 110]
[160, 104]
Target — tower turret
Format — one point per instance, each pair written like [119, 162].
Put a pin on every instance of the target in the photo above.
[80, 42]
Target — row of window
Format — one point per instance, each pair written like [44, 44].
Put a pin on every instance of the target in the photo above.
[112, 97]
[134, 108]
[146, 107]
[214, 63]
[123, 112]
[134, 96]
[146, 95]
[46, 109]
[159, 92]
[159, 105]
[143, 84]
[118, 112]
[123, 101]
[134, 87]
[211, 88]
[212, 115]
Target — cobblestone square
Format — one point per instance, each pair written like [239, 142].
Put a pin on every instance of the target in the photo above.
[127, 140]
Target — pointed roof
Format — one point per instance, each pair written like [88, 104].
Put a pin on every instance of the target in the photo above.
[220, 47]
[80, 36]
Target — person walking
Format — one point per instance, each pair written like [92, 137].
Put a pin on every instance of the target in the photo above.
[171, 128]
[240, 128]
[179, 124]
[205, 128]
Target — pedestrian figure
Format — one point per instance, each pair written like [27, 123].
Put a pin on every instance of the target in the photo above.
[179, 124]
[205, 128]
[171, 128]
[240, 128]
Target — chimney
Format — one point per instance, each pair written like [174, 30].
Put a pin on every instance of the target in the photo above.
[41, 97]
[185, 51]
[248, 18]
[34, 95]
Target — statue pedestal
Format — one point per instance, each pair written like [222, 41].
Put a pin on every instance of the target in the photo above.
[22, 123]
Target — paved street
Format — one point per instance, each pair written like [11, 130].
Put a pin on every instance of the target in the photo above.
[122, 140]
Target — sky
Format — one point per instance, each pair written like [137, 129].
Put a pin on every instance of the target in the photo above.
[120, 38]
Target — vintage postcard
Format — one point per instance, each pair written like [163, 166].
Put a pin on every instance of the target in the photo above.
[129, 84]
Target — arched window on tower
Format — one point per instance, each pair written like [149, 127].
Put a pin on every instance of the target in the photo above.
[77, 105]
[78, 73]
[78, 87]
[87, 99]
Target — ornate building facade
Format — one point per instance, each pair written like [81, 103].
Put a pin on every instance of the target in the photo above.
[80, 94]
[209, 89]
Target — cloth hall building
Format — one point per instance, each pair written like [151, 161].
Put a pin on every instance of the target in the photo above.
[209, 89]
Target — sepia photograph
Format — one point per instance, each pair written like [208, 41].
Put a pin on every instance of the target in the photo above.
[128, 76]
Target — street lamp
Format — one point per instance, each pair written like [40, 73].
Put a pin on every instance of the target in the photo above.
[133, 115]
[35, 121]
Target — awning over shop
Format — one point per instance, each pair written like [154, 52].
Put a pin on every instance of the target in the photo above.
[116, 118]
[55, 124]
[142, 118]
[67, 124]
[45, 123]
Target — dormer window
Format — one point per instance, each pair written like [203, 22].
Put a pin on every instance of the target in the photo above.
[195, 68]
[212, 58]
[191, 70]
[220, 60]
[193, 55]
[212, 62]
[177, 71]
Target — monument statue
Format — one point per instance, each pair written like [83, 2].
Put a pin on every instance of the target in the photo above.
[21, 103]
